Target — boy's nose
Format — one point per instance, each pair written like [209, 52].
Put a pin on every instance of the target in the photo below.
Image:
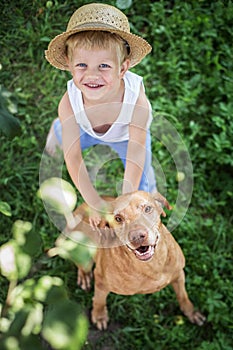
[92, 73]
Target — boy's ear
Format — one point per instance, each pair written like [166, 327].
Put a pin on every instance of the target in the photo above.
[124, 67]
[67, 62]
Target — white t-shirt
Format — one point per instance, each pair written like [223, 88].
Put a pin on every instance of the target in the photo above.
[119, 130]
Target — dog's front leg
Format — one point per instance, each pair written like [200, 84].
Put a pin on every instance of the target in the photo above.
[84, 278]
[185, 304]
[99, 313]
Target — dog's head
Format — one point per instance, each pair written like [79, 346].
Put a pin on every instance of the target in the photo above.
[136, 222]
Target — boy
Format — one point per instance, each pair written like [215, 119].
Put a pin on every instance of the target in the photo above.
[104, 103]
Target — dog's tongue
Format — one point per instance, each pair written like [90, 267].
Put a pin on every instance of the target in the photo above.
[144, 253]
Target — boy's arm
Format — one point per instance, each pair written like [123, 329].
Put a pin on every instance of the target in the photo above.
[74, 160]
[136, 152]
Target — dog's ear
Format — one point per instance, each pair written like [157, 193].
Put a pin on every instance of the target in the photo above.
[162, 212]
[162, 201]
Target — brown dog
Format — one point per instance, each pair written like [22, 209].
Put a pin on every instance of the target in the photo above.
[142, 258]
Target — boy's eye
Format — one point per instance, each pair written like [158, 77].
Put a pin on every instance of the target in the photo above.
[104, 65]
[81, 65]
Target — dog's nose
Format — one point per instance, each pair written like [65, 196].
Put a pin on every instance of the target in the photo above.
[137, 236]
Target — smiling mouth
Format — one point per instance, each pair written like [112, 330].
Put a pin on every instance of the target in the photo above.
[145, 253]
[93, 86]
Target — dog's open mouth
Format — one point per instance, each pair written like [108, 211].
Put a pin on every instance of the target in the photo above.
[145, 252]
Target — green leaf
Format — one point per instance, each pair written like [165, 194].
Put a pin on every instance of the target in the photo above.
[9, 343]
[32, 244]
[56, 294]
[5, 208]
[123, 4]
[15, 264]
[22, 294]
[44, 288]
[24, 263]
[59, 194]
[34, 320]
[47, 290]
[31, 342]
[80, 253]
[8, 261]
[14, 340]
[18, 322]
[64, 327]
[9, 125]
[29, 241]
[20, 230]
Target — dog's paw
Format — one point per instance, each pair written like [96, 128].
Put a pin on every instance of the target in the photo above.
[101, 321]
[197, 318]
[84, 279]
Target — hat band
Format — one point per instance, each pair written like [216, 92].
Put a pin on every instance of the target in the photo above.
[98, 25]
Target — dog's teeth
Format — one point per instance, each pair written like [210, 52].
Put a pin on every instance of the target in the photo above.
[143, 250]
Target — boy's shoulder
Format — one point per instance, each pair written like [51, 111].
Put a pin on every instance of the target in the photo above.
[132, 81]
[132, 76]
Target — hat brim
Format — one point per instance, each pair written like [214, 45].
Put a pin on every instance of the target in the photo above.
[56, 53]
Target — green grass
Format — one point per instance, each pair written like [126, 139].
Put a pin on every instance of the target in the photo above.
[188, 78]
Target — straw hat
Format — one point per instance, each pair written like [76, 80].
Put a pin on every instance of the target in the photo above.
[97, 16]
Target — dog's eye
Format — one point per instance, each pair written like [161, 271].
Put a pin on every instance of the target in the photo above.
[118, 218]
[148, 209]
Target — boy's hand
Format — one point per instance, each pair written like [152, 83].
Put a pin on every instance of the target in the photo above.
[95, 219]
[99, 221]
[97, 216]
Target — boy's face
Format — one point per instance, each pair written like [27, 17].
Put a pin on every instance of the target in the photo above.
[97, 73]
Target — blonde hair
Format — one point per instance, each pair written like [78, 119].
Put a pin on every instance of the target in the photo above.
[98, 39]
